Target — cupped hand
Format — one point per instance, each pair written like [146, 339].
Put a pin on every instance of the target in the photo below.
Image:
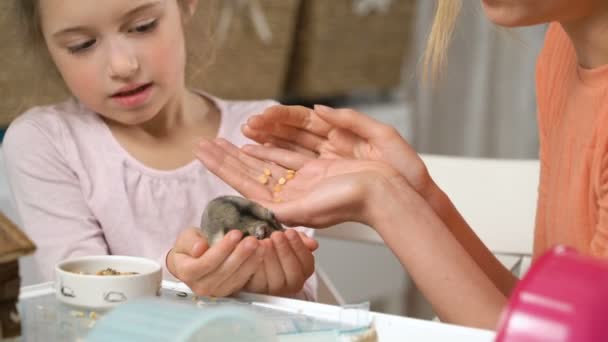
[322, 193]
[288, 262]
[220, 270]
[338, 134]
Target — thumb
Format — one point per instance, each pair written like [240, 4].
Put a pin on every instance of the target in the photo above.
[191, 242]
[358, 123]
[286, 213]
[309, 242]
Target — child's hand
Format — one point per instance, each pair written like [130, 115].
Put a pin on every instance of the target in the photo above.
[323, 192]
[218, 271]
[338, 134]
[288, 262]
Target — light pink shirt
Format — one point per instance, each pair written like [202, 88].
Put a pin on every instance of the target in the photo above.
[78, 192]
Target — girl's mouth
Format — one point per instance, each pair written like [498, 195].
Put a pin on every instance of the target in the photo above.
[134, 97]
[132, 91]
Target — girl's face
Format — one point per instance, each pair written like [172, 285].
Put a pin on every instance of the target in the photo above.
[123, 59]
[531, 12]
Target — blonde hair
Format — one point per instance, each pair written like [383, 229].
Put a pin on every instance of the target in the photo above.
[29, 15]
[435, 55]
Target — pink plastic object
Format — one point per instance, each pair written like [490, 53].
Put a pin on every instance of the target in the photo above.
[563, 297]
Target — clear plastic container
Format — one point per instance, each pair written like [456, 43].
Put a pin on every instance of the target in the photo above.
[157, 320]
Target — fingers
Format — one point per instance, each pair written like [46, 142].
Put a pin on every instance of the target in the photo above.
[221, 270]
[191, 242]
[286, 266]
[232, 170]
[224, 264]
[257, 283]
[295, 128]
[288, 212]
[288, 159]
[287, 133]
[191, 269]
[274, 272]
[295, 116]
[360, 124]
[220, 155]
[290, 264]
[241, 275]
[309, 242]
[256, 165]
[301, 251]
[269, 138]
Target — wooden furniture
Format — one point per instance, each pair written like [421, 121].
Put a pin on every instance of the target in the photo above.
[343, 46]
[13, 244]
[248, 53]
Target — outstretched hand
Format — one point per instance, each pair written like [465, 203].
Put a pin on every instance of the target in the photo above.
[322, 193]
[338, 134]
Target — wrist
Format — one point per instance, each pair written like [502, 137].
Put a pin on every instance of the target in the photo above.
[382, 200]
[437, 200]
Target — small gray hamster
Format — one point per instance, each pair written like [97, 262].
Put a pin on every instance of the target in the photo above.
[225, 213]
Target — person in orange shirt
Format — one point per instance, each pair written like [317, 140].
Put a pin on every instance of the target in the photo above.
[350, 167]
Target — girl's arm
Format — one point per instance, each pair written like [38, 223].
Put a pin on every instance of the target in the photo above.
[440, 203]
[348, 134]
[48, 198]
[325, 192]
[457, 287]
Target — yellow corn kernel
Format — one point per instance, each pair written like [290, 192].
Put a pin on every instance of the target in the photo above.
[277, 188]
[282, 180]
[263, 179]
[267, 172]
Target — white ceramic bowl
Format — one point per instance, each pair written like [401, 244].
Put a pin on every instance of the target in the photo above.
[91, 291]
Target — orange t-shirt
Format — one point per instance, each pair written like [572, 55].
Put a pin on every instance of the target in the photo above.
[573, 130]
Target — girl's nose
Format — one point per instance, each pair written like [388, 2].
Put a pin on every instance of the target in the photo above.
[122, 61]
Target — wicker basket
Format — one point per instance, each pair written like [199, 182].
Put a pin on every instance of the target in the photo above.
[24, 81]
[347, 45]
[244, 65]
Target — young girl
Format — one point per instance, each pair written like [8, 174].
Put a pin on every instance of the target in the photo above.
[352, 168]
[112, 170]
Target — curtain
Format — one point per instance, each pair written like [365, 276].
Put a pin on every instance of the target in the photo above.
[484, 105]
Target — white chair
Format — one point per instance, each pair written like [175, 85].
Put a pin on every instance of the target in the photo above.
[497, 197]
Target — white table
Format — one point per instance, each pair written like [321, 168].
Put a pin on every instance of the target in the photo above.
[389, 327]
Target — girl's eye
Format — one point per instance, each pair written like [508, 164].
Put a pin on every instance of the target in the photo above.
[82, 47]
[145, 27]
